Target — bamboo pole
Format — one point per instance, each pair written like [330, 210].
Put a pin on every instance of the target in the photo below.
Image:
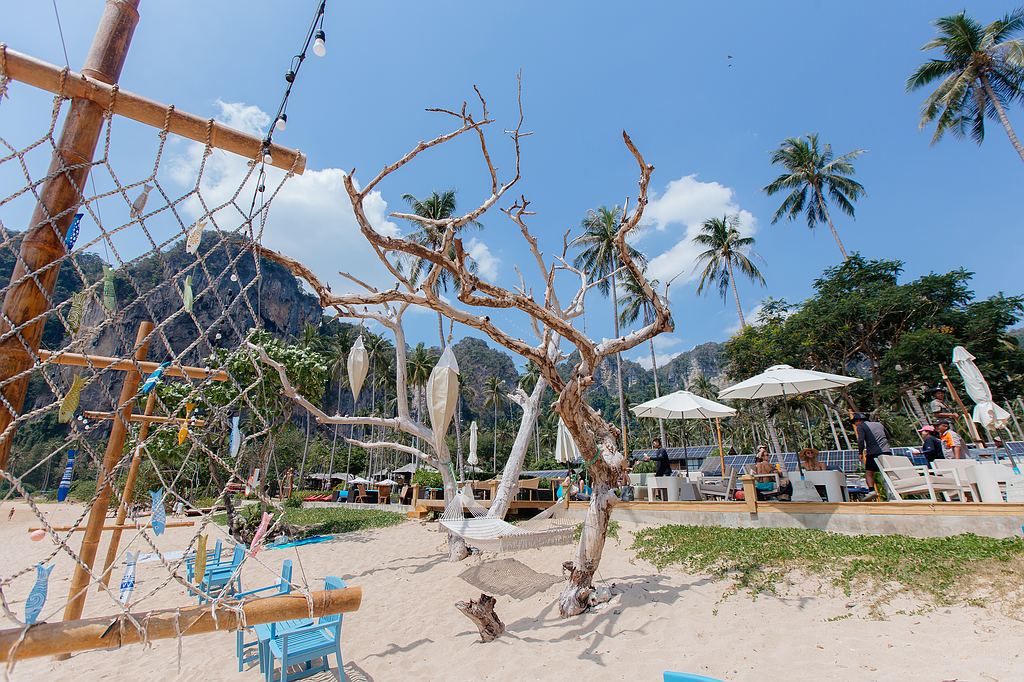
[40, 74]
[145, 419]
[98, 512]
[28, 296]
[721, 450]
[47, 639]
[123, 365]
[116, 527]
[967, 416]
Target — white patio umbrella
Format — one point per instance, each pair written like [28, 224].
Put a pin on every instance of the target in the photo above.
[387, 481]
[443, 393]
[986, 411]
[358, 363]
[686, 405]
[359, 480]
[472, 461]
[783, 380]
[565, 447]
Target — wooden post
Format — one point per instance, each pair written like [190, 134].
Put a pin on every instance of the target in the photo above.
[35, 271]
[967, 416]
[415, 495]
[721, 448]
[126, 496]
[98, 513]
[47, 639]
[750, 493]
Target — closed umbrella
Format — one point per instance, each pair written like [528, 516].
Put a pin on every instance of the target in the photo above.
[565, 447]
[358, 364]
[472, 461]
[443, 394]
[986, 411]
[686, 405]
[783, 380]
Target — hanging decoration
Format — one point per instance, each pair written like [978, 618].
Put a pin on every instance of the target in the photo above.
[128, 581]
[140, 201]
[109, 292]
[195, 236]
[65, 480]
[37, 535]
[187, 295]
[236, 437]
[358, 364]
[200, 571]
[443, 393]
[257, 538]
[153, 378]
[183, 431]
[472, 460]
[77, 311]
[37, 597]
[566, 449]
[72, 236]
[71, 398]
[159, 513]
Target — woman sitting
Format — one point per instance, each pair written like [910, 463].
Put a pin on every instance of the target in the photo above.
[763, 470]
[809, 460]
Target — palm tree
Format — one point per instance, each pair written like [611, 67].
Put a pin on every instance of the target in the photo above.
[437, 207]
[419, 363]
[634, 304]
[309, 339]
[811, 173]
[338, 349]
[600, 257]
[494, 395]
[727, 250]
[981, 72]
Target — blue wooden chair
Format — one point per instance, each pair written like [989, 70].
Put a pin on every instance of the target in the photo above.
[212, 559]
[303, 645]
[263, 632]
[217, 577]
[687, 677]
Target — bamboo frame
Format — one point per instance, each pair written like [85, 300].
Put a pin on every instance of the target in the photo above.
[145, 418]
[47, 639]
[119, 365]
[45, 76]
[116, 526]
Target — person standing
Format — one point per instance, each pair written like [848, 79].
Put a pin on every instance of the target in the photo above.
[931, 448]
[938, 407]
[872, 441]
[661, 457]
[952, 443]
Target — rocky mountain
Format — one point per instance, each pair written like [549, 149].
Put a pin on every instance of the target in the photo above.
[707, 359]
[477, 362]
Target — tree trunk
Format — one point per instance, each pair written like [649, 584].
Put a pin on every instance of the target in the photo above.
[657, 387]
[334, 442]
[457, 550]
[828, 217]
[458, 438]
[1002, 116]
[773, 434]
[510, 476]
[618, 365]
[482, 614]
[735, 296]
[494, 457]
[305, 451]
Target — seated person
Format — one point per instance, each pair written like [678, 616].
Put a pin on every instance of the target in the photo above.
[809, 460]
[763, 468]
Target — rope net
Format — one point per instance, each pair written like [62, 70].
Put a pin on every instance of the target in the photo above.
[163, 243]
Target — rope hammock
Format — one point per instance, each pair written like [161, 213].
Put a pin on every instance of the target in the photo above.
[498, 535]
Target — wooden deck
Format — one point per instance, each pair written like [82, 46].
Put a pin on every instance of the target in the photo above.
[923, 508]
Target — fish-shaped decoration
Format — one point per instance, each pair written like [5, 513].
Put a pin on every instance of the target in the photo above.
[187, 295]
[72, 236]
[183, 431]
[77, 311]
[153, 378]
[140, 201]
[37, 597]
[109, 292]
[195, 235]
[128, 581]
[159, 513]
[257, 537]
[65, 480]
[236, 437]
[71, 398]
[200, 559]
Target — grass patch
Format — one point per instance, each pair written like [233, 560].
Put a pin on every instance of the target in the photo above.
[613, 530]
[944, 569]
[331, 521]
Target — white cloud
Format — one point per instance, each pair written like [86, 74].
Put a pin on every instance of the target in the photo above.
[686, 203]
[310, 218]
[750, 316]
[487, 263]
[663, 350]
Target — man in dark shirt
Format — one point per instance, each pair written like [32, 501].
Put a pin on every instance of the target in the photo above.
[661, 457]
[872, 441]
[931, 448]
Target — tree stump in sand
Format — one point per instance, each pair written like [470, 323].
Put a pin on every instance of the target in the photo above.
[481, 612]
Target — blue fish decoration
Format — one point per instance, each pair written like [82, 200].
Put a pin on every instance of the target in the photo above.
[65, 480]
[72, 236]
[236, 438]
[154, 377]
[37, 597]
[159, 513]
[128, 581]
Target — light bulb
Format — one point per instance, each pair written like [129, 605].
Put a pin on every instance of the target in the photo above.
[320, 44]
[267, 158]
[282, 122]
[234, 277]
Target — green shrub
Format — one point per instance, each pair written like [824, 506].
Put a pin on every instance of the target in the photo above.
[294, 502]
[643, 467]
[427, 479]
[82, 490]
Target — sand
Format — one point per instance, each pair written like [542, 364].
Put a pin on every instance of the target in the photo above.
[408, 627]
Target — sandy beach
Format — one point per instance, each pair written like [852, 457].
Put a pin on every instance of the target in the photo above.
[408, 628]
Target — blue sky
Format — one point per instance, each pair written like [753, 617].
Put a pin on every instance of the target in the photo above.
[657, 69]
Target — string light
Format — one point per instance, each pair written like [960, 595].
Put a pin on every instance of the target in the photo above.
[320, 44]
[282, 122]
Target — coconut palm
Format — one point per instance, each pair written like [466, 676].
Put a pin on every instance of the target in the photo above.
[812, 175]
[634, 304]
[981, 72]
[727, 251]
[311, 340]
[419, 363]
[599, 256]
[494, 395]
[338, 349]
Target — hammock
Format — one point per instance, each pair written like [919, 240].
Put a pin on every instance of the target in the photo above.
[498, 535]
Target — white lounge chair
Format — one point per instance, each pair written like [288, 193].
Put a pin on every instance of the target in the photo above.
[902, 478]
[723, 487]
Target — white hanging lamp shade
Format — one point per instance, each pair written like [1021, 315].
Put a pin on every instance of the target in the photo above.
[565, 447]
[443, 393]
[358, 364]
[472, 460]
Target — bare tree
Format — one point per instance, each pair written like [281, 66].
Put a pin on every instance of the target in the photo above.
[551, 321]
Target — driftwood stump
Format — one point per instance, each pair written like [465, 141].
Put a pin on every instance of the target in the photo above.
[481, 612]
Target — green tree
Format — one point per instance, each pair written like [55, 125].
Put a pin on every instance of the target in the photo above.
[419, 364]
[494, 396]
[599, 256]
[634, 304]
[809, 175]
[727, 251]
[980, 73]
